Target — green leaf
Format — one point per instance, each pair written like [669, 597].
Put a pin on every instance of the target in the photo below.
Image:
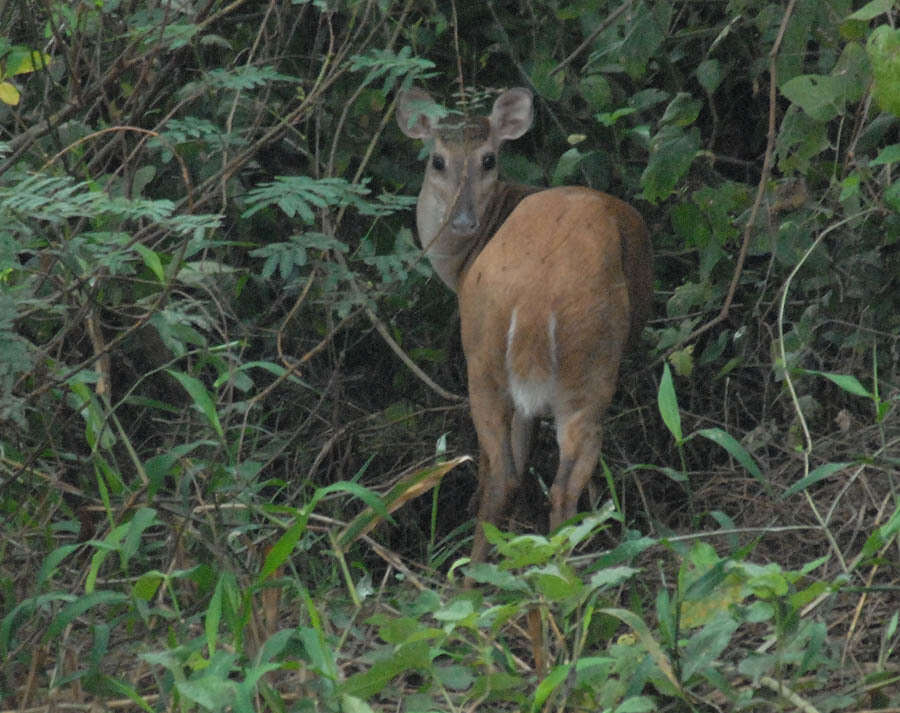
[881, 536]
[820, 473]
[672, 151]
[705, 646]
[610, 118]
[390, 66]
[352, 704]
[202, 400]
[668, 405]
[214, 615]
[871, 9]
[567, 165]
[50, 563]
[408, 657]
[819, 95]
[847, 382]
[22, 613]
[889, 154]
[709, 74]
[683, 110]
[9, 94]
[555, 583]
[683, 360]
[892, 198]
[282, 549]
[596, 91]
[547, 85]
[302, 195]
[637, 704]
[456, 677]
[80, 606]
[557, 675]
[134, 534]
[22, 60]
[147, 585]
[737, 451]
[152, 261]
[883, 48]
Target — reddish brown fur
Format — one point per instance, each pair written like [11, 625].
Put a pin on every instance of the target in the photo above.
[547, 307]
[560, 253]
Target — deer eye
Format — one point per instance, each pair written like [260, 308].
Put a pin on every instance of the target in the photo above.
[488, 162]
[437, 162]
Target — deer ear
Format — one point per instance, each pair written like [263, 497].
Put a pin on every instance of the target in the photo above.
[512, 114]
[412, 114]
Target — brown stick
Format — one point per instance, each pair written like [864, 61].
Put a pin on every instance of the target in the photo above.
[761, 187]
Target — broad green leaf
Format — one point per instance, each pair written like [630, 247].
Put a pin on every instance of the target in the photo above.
[892, 198]
[709, 74]
[871, 9]
[549, 86]
[705, 646]
[637, 704]
[683, 110]
[567, 165]
[22, 60]
[147, 585]
[853, 72]
[556, 584]
[321, 657]
[596, 91]
[883, 48]
[668, 405]
[672, 152]
[352, 704]
[889, 154]
[456, 677]
[457, 610]
[9, 94]
[850, 187]
[683, 360]
[651, 645]
[612, 576]
[152, 261]
[610, 118]
[557, 675]
[821, 96]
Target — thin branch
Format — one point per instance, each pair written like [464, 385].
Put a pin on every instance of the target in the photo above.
[761, 187]
[611, 18]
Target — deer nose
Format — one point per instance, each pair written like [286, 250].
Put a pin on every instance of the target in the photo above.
[464, 221]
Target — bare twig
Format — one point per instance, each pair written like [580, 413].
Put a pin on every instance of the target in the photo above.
[761, 187]
[611, 18]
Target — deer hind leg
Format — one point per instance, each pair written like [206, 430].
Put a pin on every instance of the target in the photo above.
[579, 439]
[498, 472]
[522, 430]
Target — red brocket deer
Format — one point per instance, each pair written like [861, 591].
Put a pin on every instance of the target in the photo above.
[552, 285]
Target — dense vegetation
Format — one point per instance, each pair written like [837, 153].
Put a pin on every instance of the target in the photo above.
[233, 435]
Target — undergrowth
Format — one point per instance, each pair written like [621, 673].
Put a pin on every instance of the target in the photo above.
[234, 446]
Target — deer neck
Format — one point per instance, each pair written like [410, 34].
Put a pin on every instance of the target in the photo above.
[451, 253]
